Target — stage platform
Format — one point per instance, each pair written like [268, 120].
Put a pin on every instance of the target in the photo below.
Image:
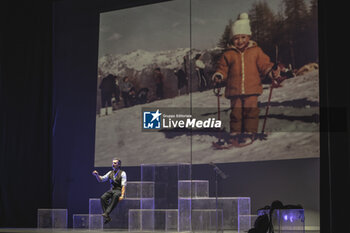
[36, 230]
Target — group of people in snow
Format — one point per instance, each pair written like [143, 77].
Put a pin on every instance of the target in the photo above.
[113, 90]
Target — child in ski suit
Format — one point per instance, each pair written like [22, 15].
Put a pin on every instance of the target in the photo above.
[241, 66]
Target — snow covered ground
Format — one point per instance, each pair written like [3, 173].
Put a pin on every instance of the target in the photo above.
[293, 129]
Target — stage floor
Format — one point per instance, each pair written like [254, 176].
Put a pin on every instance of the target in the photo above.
[35, 230]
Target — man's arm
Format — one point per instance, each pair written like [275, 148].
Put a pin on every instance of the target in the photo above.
[100, 178]
[123, 193]
[123, 186]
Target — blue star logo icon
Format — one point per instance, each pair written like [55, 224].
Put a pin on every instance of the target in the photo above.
[151, 120]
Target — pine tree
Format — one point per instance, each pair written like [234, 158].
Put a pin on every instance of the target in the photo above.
[296, 13]
[225, 38]
[296, 16]
[280, 39]
[262, 21]
[313, 30]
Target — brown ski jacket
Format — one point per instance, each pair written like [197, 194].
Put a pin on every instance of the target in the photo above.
[243, 70]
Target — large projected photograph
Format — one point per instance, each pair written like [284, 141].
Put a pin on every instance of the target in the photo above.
[202, 81]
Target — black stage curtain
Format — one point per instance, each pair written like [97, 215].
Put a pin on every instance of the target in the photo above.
[25, 89]
[335, 121]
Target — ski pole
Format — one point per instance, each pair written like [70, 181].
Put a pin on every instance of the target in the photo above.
[268, 101]
[267, 110]
[217, 93]
[219, 89]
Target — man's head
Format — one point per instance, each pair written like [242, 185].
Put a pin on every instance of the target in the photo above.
[116, 163]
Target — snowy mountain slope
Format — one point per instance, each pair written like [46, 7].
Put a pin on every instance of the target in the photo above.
[120, 134]
[141, 59]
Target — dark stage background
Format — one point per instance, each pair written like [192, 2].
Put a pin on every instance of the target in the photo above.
[48, 94]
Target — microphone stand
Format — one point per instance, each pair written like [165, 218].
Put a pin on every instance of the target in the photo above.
[223, 176]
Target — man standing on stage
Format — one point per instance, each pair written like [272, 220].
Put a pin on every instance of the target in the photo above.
[117, 179]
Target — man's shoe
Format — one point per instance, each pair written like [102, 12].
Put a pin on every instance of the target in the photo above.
[105, 215]
[107, 220]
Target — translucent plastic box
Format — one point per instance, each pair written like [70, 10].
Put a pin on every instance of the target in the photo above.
[232, 208]
[165, 178]
[151, 220]
[120, 214]
[207, 220]
[164, 172]
[140, 189]
[125, 205]
[95, 206]
[52, 218]
[246, 222]
[199, 188]
[88, 221]
[184, 217]
[95, 222]
[81, 221]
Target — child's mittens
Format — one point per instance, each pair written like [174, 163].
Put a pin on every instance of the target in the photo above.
[275, 73]
[217, 77]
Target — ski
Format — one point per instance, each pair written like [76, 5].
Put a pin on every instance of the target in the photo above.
[233, 143]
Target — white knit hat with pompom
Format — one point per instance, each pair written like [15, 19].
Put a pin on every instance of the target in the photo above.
[241, 26]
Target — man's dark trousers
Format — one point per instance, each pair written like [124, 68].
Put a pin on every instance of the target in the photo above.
[109, 200]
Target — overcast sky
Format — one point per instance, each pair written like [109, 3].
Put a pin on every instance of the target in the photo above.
[170, 25]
